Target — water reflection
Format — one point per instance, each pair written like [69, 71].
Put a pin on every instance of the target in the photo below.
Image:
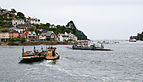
[30, 61]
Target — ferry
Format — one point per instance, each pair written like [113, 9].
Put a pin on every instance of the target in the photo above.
[86, 46]
[32, 56]
[48, 54]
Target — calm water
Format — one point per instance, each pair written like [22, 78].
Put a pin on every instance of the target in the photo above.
[124, 64]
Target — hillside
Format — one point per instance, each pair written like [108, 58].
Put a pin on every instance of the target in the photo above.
[6, 17]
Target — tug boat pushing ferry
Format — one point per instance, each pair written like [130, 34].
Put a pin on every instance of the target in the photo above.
[51, 54]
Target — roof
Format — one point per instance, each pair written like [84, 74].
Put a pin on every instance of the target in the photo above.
[49, 33]
[17, 19]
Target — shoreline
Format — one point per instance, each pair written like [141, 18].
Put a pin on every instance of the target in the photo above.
[34, 43]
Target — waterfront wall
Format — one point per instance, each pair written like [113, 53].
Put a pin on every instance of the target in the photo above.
[36, 43]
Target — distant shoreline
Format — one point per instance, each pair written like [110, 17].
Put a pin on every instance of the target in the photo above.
[35, 43]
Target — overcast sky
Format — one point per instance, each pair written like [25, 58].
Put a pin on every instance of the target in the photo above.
[98, 19]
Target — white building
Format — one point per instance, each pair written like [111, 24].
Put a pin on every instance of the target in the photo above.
[16, 29]
[52, 26]
[42, 36]
[49, 35]
[4, 36]
[33, 20]
[31, 36]
[66, 37]
[16, 22]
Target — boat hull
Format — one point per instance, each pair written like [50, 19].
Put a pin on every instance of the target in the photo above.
[31, 59]
[87, 48]
[53, 58]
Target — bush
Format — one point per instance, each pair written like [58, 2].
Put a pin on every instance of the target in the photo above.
[17, 39]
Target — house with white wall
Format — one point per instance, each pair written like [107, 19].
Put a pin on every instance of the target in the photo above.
[4, 36]
[16, 22]
[66, 36]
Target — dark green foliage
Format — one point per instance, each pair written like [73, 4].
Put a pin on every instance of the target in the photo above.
[5, 24]
[17, 39]
[140, 36]
[31, 29]
[62, 29]
[48, 24]
[32, 39]
[4, 29]
[20, 15]
[13, 11]
[23, 39]
[80, 35]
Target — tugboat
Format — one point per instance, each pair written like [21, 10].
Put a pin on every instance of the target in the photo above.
[52, 54]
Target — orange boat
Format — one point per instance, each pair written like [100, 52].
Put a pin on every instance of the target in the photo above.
[52, 54]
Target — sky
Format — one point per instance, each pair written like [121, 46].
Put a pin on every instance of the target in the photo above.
[98, 19]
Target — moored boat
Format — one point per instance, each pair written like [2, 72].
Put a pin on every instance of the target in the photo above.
[132, 40]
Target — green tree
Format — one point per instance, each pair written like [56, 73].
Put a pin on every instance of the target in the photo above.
[20, 15]
[13, 11]
[31, 29]
[48, 24]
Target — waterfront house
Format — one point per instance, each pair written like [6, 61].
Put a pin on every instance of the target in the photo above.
[13, 35]
[25, 26]
[16, 22]
[29, 35]
[67, 36]
[4, 36]
[50, 35]
[42, 37]
[14, 29]
[7, 14]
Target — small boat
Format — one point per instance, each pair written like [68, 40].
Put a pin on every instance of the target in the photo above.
[51, 54]
[132, 40]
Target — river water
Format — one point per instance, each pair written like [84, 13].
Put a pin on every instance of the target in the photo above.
[123, 64]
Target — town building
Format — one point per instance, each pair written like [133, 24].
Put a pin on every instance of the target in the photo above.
[29, 35]
[14, 29]
[16, 22]
[7, 15]
[42, 37]
[66, 37]
[4, 36]
[52, 26]
[33, 20]
[49, 35]
[13, 35]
